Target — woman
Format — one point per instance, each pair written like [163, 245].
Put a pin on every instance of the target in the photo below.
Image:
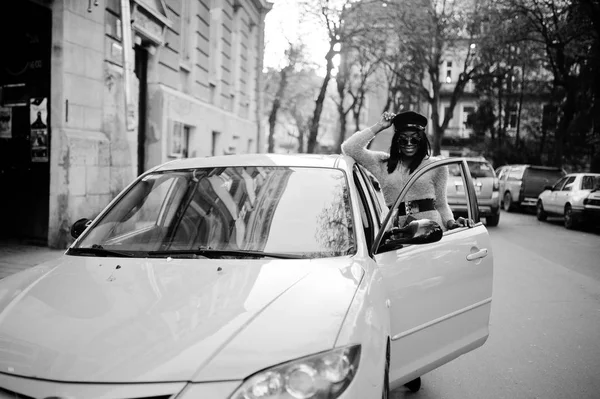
[409, 149]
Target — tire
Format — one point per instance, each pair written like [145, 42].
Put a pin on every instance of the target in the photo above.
[386, 375]
[414, 385]
[540, 213]
[507, 202]
[492, 221]
[570, 222]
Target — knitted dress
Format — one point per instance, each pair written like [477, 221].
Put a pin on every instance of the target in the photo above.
[430, 185]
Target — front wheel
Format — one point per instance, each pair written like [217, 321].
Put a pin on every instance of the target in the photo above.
[414, 385]
[540, 213]
[492, 220]
[507, 202]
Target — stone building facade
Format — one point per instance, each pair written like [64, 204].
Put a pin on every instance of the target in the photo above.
[129, 84]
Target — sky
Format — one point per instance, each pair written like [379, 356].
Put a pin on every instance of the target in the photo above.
[284, 23]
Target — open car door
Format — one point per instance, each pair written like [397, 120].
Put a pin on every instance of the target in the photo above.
[440, 293]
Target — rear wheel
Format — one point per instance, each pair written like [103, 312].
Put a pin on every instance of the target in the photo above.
[570, 222]
[414, 385]
[507, 202]
[540, 213]
[492, 220]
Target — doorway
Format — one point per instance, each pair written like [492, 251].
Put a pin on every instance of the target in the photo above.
[25, 122]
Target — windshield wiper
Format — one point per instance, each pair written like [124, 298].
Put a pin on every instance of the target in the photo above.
[98, 250]
[208, 252]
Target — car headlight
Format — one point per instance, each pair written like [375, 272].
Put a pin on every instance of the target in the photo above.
[320, 376]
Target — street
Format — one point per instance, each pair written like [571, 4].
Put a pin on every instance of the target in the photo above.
[545, 324]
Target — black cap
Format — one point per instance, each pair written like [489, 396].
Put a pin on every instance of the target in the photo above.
[409, 120]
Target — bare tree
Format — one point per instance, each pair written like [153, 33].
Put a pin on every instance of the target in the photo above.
[294, 55]
[426, 32]
[342, 20]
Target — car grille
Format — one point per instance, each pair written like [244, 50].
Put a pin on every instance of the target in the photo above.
[6, 394]
[594, 202]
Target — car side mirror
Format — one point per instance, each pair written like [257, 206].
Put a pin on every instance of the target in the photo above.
[548, 188]
[79, 227]
[421, 231]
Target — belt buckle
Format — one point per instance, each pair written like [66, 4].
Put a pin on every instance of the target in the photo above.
[411, 207]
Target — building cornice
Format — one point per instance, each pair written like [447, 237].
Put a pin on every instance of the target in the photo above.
[263, 5]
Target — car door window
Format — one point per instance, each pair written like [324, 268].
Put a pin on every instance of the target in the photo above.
[568, 184]
[423, 199]
[558, 185]
[516, 173]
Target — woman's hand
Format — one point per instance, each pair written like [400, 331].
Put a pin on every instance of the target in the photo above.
[385, 121]
[460, 222]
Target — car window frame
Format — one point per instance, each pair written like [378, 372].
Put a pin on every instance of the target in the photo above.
[569, 180]
[366, 201]
[559, 184]
[378, 206]
[470, 196]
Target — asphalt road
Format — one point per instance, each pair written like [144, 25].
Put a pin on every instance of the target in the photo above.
[545, 323]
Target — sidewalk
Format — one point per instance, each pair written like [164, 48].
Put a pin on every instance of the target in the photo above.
[15, 257]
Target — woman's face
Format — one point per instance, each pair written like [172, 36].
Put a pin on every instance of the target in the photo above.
[409, 143]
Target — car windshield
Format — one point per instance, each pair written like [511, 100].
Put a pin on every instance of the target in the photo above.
[477, 169]
[480, 169]
[295, 212]
[590, 183]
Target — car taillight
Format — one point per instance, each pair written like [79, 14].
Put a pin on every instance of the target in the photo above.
[496, 184]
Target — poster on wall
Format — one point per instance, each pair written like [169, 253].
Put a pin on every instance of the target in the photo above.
[38, 116]
[5, 123]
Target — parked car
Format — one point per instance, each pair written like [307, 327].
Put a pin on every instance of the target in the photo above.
[575, 197]
[249, 276]
[520, 185]
[486, 188]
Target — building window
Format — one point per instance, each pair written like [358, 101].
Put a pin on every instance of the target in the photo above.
[216, 141]
[186, 34]
[467, 112]
[178, 140]
[512, 118]
[448, 71]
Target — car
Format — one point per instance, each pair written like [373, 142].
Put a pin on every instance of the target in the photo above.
[486, 187]
[520, 185]
[248, 276]
[575, 197]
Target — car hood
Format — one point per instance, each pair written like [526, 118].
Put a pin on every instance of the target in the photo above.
[91, 319]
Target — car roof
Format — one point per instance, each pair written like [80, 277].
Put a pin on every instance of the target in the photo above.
[535, 167]
[298, 160]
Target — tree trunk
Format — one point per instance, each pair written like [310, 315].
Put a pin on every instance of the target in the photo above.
[272, 121]
[520, 109]
[569, 109]
[275, 108]
[437, 131]
[313, 130]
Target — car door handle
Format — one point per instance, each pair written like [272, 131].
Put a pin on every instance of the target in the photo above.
[478, 255]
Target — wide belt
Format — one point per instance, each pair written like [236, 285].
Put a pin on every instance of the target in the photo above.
[410, 207]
